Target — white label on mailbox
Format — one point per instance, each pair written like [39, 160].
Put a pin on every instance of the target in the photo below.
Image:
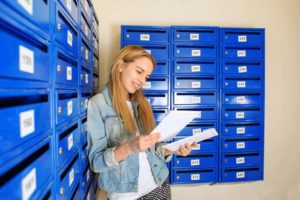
[194, 36]
[69, 73]
[196, 131]
[242, 69]
[241, 84]
[70, 142]
[147, 85]
[240, 130]
[69, 5]
[195, 177]
[71, 177]
[86, 31]
[69, 38]
[196, 84]
[240, 145]
[242, 38]
[27, 124]
[196, 99]
[195, 162]
[70, 107]
[87, 175]
[240, 99]
[145, 37]
[86, 54]
[26, 60]
[86, 78]
[197, 148]
[28, 184]
[86, 103]
[199, 115]
[239, 115]
[196, 68]
[241, 53]
[240, 175]
[196, 52]
[149, 51]
[27, 5]
[240, 160]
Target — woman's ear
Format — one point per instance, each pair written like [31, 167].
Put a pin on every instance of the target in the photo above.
[120, 65]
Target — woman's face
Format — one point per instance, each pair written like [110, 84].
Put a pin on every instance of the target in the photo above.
[134, 74]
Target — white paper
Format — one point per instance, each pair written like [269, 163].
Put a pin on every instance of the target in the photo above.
[195, 138]
[173, 123]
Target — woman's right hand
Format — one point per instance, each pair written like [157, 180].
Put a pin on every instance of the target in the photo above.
[143, 142]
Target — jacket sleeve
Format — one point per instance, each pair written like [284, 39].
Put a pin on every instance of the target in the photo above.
[101, 157]
[160, 152]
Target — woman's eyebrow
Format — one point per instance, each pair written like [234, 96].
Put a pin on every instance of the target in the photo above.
[140, 68]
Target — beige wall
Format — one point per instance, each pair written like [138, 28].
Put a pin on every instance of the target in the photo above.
[281, 18]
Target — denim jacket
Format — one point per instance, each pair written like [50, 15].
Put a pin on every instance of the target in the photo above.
[106, 131]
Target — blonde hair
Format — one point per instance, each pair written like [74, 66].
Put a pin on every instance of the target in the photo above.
[118, 93]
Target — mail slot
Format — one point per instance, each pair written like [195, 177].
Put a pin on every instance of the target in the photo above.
[20, 117]
[187, 176]
[240, 83]
[195, 98]
[242, 36]
[192, 129]
[194, 51]
[241, 144]
[66, 105]
[205, 113]
[28, 173]
[241, 174]
[195, 67]
[241, 52]
[198, 82]
[243, 98]
[72, 8]
[159, 114]
[195, 34]
[146, 35]
[156, 83]
[22, 58]
[241, 159]
[66, 70]
[242, 68]
[66, 33]
[158, 99]
[162, 68]
[208, 145]
[194, 161]
[254, 113]
[68, 141]
[242, 128]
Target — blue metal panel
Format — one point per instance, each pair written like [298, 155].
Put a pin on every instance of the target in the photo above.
[66, 70]
[241, 144]
[84, 96]
[242, 98]
[235, 128]
[245, 113]
[156, 83]
[195, 67]
[71, 6]
[206, 113]
[20, 115]
[158, 99]
[242, 68]
[85, 27]
[194, 161]
[192, 129]
[86, 7]
[85, 77]
[95, 65]
[240, 36]
[162, 68]
[187, 176]
[241, 52]
[209, 145]
[21, 58]
[195, 98]
[196, 82]
[194, 51]
[31, 174]
[241, 174]
[144, 34]
[242, 83]
[85, 52]
[195, 34]
[241, 159]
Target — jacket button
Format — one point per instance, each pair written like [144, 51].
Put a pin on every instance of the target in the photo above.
[155, 165]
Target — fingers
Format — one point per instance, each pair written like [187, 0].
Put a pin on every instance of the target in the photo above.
[185, 149]
[143, 142]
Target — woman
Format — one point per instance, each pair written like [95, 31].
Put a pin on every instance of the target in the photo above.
[129, 160]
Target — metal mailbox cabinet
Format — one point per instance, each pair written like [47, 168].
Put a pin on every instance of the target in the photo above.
[49, 57]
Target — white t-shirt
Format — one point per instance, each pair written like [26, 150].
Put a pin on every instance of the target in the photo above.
[146, 181]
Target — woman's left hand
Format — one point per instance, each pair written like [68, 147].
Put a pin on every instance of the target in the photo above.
[185, 149]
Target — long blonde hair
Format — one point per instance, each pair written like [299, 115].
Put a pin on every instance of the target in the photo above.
[118, 93]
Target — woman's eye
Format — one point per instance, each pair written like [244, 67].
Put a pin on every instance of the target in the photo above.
[139, 72]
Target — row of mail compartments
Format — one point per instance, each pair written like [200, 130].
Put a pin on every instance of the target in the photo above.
[242, 36]
[242, 68]
[242, 144]
[193, 161]
[237, 83]
[193, 176]
[241, 159]
[242, 52]
[208, 145]
[243, 113]
[205, 113]
[161, 34]
[29, 174]
[242, 128]
[26, 107]
[242, 98]
[237, 174]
